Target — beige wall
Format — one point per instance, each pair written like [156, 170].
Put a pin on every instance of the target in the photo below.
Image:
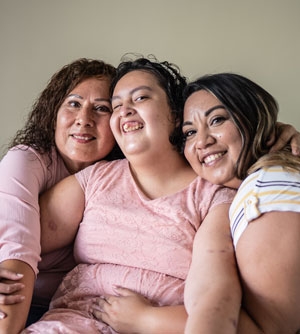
[257, 38]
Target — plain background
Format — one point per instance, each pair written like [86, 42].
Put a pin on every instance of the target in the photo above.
[258, 38]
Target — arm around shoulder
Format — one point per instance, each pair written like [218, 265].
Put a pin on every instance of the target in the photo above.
[16, 314]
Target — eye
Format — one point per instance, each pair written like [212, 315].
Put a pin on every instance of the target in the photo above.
[116, 106]
[217, 120]
[74, 104]
[141, 98]
[188, 133]
[103, 109]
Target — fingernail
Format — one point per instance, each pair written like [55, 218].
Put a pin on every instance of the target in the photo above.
[2, 315]
[20, 275]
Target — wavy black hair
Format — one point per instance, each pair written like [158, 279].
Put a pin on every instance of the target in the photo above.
[39, 129]
[169, 79]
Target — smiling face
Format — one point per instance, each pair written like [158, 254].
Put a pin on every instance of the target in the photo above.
[213, 142]
[141, 119]
[82, 133]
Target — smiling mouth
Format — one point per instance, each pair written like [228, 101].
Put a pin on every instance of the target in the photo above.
[83, 138]
[132, 126]
[211, 158]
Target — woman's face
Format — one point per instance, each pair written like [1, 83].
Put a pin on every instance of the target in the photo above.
[213, 142]
[141, 119]
[82, 133]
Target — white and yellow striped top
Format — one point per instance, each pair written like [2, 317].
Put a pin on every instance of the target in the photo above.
[268, 189]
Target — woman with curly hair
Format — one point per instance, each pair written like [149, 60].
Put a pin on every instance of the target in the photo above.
[67, 130]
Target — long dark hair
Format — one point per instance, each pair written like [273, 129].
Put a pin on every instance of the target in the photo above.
[253, 110]
[39, 129]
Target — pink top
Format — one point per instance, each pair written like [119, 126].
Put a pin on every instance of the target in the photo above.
[126, 239]
[25, 174]
[121, 226]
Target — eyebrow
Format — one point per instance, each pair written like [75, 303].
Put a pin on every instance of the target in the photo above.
[206, 113]
[81, 98]
[133, 91]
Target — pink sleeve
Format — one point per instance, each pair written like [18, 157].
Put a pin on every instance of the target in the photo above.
[223, 195]
[22, 178]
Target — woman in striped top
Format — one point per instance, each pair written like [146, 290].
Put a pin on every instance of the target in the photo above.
[229, 125]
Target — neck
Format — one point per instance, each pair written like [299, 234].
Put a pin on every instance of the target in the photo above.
[162, 175]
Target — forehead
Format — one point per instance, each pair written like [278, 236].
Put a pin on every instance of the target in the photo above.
[201, 99]
[136, 78]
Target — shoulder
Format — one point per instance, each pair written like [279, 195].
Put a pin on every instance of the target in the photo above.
[268, 189]
[22, 163]
[270, 177]
[29, 167]
[213, 192]
[22, 154]
[102, 170]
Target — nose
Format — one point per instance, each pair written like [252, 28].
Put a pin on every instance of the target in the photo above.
[204, 139]
[84, 117]
[126, 110]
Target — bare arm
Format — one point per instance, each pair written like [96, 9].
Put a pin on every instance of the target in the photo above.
[213, 292]
[268, 258]
[62, 209]
[16, 314]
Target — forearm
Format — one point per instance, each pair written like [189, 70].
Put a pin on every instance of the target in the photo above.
[246, 325]
[212, 293]
[215, 311]
[16, 314]
[165, 319]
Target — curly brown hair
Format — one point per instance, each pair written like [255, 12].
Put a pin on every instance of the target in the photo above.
[39, 129]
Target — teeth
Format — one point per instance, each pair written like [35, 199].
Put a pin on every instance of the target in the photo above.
[132, 127]
[82, 137]
[212, 157]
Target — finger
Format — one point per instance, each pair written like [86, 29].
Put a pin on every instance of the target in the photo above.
[10, 288]
[278, 145]
[8, 274]
[100, 304]
[295, 150]
[11, 299]
[107, 298]
[295, 146]
[99, 315]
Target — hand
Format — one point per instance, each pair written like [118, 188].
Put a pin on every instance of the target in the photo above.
[286, 133]
[7, 289]
[123, 312]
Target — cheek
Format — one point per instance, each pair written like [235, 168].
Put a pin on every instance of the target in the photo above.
[113, 123]
[104, 129]
[62, 122]
[60, 128]
[189, 153]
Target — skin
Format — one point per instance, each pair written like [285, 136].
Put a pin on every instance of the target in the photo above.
[270, 283]
[117, 313]
[213, 143]
[82, 133]
[128, 309]
[83, 136]
[141, 125]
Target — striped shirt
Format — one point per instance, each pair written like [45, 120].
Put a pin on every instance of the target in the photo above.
[268, 189]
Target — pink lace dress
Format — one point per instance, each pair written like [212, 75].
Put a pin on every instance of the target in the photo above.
[128, 240]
